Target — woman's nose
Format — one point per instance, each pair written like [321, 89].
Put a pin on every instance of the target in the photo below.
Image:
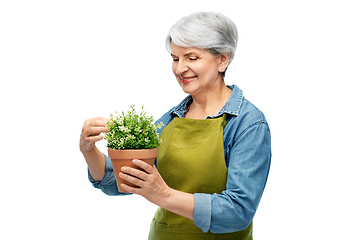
[181, 67]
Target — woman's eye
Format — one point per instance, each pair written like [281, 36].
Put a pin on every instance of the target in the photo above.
[175, 59]
[193, 58]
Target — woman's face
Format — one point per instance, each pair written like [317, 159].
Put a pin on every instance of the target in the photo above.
[196, 70]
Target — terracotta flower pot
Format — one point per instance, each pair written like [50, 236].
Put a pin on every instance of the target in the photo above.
[120, 158]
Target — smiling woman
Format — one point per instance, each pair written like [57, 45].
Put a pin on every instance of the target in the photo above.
[213, 32]
[199, 73]
[214, 159]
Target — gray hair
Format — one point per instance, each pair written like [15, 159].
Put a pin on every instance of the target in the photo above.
[206, 30]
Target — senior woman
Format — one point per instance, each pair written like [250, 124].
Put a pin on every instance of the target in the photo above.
[214, 159]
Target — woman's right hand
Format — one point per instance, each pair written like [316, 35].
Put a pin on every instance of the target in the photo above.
[91, 133]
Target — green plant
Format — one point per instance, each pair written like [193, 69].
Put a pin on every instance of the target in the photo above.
[132, 131]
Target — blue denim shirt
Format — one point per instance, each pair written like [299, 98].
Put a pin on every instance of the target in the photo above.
[247, 150]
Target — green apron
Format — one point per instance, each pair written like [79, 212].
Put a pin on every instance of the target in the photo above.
[191, 159]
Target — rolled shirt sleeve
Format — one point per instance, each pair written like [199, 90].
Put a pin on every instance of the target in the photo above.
[202, 211]
[108, 183]
[249, 163]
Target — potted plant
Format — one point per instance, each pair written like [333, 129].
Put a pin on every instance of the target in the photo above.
[131, 136]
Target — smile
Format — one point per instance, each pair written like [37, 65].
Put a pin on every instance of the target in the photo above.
[187, 79]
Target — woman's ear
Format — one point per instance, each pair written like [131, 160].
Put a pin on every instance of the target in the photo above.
[224, 60]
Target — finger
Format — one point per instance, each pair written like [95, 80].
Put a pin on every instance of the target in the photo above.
[131, 179]
[135, 173]
[94, 131]
[100, 121]
[129, 189]
[143, 165]
[96, 122]
[93, 139]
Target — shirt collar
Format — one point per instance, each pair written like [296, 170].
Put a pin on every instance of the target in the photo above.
[232, 106]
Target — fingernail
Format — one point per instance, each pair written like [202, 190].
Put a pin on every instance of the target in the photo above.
[123, 169]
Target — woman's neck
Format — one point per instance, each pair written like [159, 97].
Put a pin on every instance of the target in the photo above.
[209, 103]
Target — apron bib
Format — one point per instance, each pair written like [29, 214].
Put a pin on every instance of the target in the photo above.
[191, 159]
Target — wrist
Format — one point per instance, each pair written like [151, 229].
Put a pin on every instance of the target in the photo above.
[168, 195]
[86, 148]
[180, 203]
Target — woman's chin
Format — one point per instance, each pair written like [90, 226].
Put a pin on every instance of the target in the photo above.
[187, 88]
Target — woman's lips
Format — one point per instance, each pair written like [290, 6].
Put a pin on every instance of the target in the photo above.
[187, 79]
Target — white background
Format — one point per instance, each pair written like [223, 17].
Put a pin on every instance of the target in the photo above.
[62, 62]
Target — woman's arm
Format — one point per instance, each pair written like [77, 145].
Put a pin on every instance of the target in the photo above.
[96, 163]
[230, 211]
[90, 134]
[153, 188]
[249, 164]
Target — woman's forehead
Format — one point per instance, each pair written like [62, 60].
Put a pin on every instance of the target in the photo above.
[185, 51]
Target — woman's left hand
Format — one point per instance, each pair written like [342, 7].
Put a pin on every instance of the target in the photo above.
[150, 183]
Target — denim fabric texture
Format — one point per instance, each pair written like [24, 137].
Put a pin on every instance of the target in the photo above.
[247, 150]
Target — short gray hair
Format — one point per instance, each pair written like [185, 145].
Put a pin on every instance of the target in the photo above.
[206, 30]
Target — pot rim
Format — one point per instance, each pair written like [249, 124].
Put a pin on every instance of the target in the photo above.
[132, 153]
